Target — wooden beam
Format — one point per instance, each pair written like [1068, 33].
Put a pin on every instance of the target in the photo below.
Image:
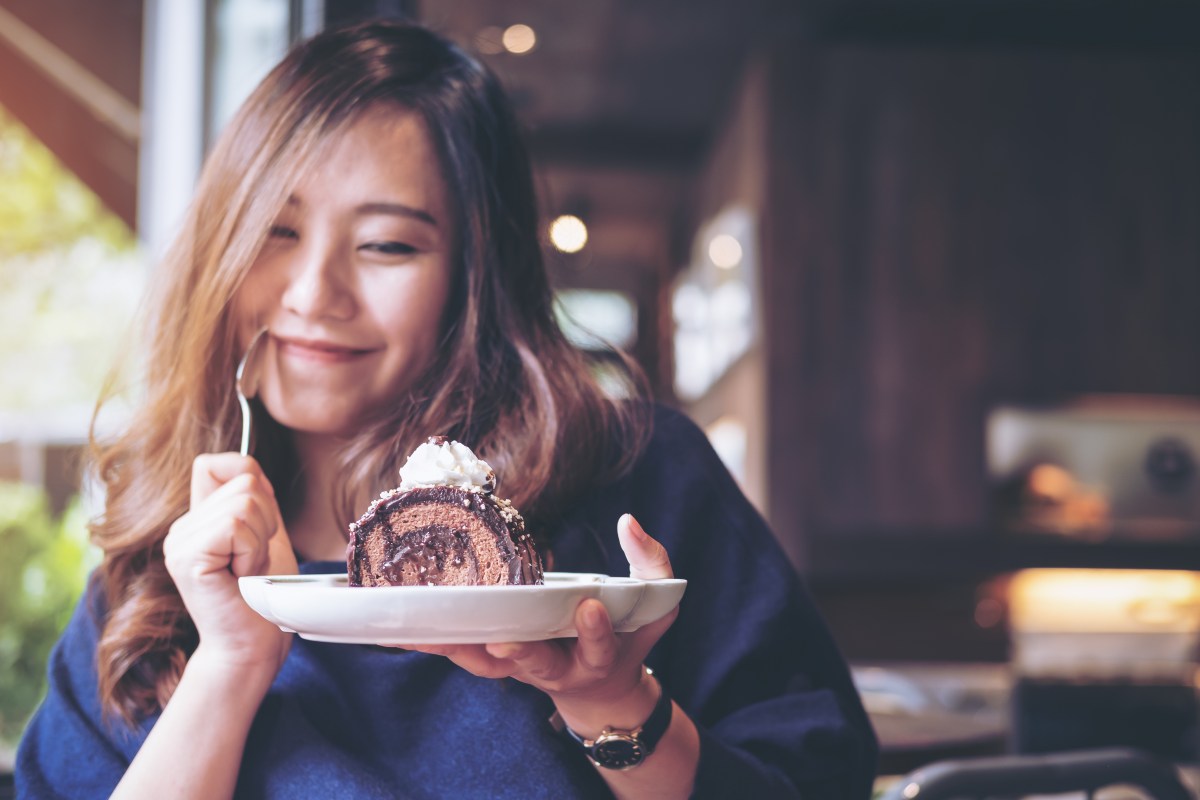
[90, 126]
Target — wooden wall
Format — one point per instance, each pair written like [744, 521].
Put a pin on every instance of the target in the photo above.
[951, 228]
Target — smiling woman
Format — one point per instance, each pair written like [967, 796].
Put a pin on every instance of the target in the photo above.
[371, 206]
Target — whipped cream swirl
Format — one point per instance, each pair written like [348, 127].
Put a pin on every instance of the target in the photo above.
[444, 462]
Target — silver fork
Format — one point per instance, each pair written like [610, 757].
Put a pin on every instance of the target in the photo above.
[246, 383]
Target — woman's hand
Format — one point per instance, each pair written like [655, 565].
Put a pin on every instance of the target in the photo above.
[597, 676]
[233, 528]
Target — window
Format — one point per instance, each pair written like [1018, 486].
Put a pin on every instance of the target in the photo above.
[593, 319]
[713, 302]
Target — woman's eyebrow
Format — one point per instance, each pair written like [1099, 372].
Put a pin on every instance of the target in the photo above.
[383, 207]
[396, 208]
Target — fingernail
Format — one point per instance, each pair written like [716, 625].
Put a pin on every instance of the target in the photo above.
[635, 528]
[500, 650]
[593, 617]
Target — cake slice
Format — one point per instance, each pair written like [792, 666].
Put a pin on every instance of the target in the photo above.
[443, 526]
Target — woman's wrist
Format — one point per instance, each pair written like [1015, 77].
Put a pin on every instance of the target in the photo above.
[238, 678]
[195, 748]
[588, 716]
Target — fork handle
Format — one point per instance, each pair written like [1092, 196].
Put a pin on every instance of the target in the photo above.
[245, 425]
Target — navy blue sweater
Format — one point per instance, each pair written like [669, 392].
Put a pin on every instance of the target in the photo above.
[748, 659]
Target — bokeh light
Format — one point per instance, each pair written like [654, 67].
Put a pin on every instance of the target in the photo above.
[568, 233]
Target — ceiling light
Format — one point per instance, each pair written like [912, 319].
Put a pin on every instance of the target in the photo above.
[519, 39]
[568, 233]
[725, 251]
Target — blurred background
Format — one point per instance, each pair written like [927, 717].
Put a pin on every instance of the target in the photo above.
[927, 273]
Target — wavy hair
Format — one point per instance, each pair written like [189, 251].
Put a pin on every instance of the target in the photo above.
[504, 380]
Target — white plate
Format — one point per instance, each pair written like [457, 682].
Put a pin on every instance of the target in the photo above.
[325, 608]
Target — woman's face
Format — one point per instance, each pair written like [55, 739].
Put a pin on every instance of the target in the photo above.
[354, 278]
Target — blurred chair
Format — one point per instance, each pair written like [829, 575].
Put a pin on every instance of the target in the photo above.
[1017, 776]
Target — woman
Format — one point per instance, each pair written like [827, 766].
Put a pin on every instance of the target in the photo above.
[371, 206]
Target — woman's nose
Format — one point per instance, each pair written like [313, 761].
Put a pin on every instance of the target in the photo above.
[319, 285]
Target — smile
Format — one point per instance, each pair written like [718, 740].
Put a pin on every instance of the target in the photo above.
[319, 351]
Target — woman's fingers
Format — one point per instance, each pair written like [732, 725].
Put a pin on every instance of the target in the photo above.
[647, 558]
[597, 663]
[281, 558]
[242, 498]
[564, 664]
[542, 664]
[248, 556]
[598, 647]
[511, 651]
[211, 471]
[233, 520]
[474, 658]
[233, 528]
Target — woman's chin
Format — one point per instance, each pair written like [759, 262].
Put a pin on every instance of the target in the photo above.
[319, 423]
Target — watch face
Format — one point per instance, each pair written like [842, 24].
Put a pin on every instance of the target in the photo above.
[617, 751]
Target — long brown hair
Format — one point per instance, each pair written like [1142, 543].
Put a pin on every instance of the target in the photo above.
[504, 380]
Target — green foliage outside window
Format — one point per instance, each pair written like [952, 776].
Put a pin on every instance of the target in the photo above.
[70, 278]
[42, 574]
[41, 205]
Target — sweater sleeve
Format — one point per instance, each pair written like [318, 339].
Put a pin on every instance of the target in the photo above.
[68, 750]
[749, 658]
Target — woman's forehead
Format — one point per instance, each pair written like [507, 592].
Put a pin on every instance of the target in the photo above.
[382, 156]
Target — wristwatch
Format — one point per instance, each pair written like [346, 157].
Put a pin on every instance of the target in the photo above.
[620, 749]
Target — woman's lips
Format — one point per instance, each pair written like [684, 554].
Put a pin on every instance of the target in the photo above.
[319, 351]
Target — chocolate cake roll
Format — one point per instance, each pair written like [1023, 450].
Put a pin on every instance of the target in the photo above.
[443, 526]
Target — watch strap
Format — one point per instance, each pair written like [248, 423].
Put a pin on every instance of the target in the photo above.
[656, 724]
[647, 734]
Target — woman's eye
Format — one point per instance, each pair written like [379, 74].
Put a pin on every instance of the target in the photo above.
[283, 232]
[390, 248]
